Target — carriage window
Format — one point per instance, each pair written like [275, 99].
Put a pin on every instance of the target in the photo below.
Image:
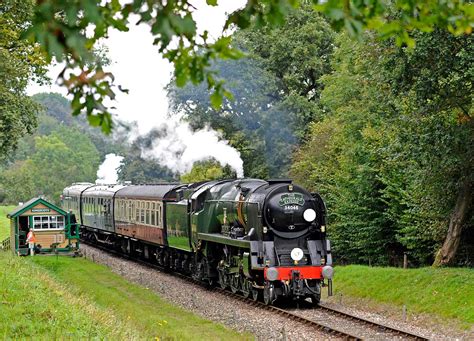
[118, 209]
[158, 214]
[137, 211]
[147, 217]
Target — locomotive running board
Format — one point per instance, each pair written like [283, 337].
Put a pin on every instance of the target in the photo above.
[218, 238]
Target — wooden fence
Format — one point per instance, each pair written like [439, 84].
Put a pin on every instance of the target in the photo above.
[5, 244]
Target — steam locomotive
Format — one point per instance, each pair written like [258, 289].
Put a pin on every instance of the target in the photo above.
[260, 238]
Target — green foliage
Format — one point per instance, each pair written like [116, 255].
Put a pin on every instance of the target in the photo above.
[394, 146]
[205, 171]
[276, 91]
[18, 182]
[57, 107]
[57, 110]
[69, 158]
[141, 171]
[60, 26]
[60, 152]
[455, 16]
[20, 61]
[296, 55]
[63, 157]
[420, 290]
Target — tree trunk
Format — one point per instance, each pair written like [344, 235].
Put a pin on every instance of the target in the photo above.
[446, 254]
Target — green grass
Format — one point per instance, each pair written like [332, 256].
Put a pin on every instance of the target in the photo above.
[33, 304]
[75, 298]
[446, 292]
[4, 221]
[148, 313]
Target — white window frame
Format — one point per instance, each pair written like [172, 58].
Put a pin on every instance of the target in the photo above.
[49, 221]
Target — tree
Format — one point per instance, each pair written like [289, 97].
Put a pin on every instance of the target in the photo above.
[56, 111]
[56, 105]
[139, 170]
[143, 171]
[69, 156]
[394, 150]
[276, 91]
[59, 26]
[54, 162]
[206, 171]
[20, 61]
[18, 182]
[438, 75]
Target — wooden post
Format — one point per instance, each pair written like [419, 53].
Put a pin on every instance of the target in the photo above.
[405, 260]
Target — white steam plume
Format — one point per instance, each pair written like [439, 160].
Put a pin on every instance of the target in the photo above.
[175, 145]
[107, 173]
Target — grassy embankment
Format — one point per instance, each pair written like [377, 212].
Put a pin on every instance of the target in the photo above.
[55, 297]
[445, 292]
[4, 221]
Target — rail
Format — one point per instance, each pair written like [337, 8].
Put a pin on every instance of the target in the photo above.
[400, 332]
[5, 244]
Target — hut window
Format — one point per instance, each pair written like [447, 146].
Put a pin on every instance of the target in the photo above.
[56, 222]
[48, 222]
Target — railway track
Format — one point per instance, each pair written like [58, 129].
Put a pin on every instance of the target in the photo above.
[331, 330]
[372, 324]
[282, 312]
[317, 325]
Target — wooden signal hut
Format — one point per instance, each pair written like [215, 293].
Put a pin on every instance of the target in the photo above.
[55, 230]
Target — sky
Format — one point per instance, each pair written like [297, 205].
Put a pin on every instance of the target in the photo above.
[138, 67]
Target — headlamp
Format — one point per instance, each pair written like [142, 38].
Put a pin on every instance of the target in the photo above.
[297, 254]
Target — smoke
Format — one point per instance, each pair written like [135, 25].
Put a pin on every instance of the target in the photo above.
[175, 145]
[107, 173]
